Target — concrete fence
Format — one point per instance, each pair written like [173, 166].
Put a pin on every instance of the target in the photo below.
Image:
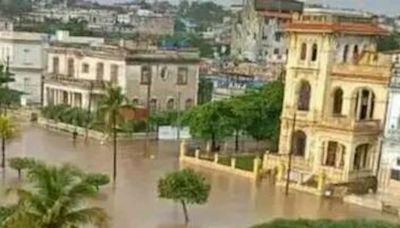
[98, 135]
[214, 163]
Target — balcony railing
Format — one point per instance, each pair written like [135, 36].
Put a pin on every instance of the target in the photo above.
[351, 124]
[75, 82]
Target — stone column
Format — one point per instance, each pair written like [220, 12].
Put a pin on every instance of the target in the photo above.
[358, 111]
[339, 154]
[348, 162]
[45, 96]
[69, 98]
[325, 152]
[369, 105]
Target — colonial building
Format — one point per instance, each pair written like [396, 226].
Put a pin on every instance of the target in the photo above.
[257, 31]
[163, 79]
[389, 176]
[25, 54]
[335, 97]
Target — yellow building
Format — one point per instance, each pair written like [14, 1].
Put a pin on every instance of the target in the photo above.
[335, 97]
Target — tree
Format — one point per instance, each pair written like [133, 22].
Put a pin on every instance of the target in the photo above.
[391, 42]
[7, 131]
[209, 122]
[205, 91]
[55, 197]
[15, 7]
[304, 223]
[21, 164]
[97, 179]
[185, 187]
[264, 107]
[110, 107]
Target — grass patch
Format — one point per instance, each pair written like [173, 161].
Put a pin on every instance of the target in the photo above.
[245, 162]
[224, 161]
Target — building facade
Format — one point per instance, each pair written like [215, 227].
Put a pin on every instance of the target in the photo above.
[161, 79]
[335, 97]
[389, 176]
[257, 31]
[25, 54]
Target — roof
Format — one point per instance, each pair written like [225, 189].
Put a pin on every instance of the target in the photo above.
[353, 28]
[267, 13]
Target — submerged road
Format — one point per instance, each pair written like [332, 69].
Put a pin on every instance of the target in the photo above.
[234, 201]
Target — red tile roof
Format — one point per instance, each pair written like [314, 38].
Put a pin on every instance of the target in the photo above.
[275, 14]
[353, 28]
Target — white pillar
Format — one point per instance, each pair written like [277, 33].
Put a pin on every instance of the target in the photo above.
[358, 111]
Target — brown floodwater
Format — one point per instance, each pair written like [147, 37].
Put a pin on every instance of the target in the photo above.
[234, 201]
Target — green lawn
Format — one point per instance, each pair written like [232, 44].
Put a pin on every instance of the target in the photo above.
[302, 223]
[243, 162]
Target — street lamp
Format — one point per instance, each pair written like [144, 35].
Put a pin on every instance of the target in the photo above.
[290, 154]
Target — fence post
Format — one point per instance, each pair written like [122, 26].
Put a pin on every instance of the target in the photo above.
[182, 152]
[233, 163]
[197, 154]
[256, 167]
[216, 158]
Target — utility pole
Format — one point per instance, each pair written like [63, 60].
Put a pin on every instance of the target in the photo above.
[178, 116]
[290, 154]
[148, 109]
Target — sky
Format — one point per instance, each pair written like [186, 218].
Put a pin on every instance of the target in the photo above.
[389, 7]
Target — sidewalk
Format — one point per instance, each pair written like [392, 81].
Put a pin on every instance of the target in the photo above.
[380, 201]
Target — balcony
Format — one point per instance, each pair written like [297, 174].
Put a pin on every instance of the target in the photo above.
[345, 123]
[67, 81]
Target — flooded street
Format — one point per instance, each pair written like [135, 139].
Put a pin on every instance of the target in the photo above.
[133, 202]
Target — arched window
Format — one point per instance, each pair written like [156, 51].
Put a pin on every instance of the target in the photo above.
[299, 143]
[303, 52]
[361, 157]
[345, 53]
[71, 67]
[314, 54]
[303, 103]
[153, 104]
[170, 104]
[355, 53]
[364, 104]
[188, 104]
[337, 101]
[335, 154]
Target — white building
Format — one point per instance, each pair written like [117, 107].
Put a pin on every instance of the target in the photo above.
[389, 178]
[77, 74]
[25, 53]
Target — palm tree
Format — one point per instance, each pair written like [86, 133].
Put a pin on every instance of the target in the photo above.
[7, 131]
[109, 108]
[54, 199]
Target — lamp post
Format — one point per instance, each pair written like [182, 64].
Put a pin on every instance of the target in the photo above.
[290, 154]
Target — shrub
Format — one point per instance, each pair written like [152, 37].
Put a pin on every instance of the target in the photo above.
[97, 179]
[21, 164]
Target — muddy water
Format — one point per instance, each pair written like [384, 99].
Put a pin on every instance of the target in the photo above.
[133, 202]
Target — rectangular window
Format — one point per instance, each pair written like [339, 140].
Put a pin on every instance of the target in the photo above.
[395, 174]
[114, 73]
[100, 72]
[56, 65]
[145, 75]
[276, 51]
[85, 68]
[182, 76]
[278, 37]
